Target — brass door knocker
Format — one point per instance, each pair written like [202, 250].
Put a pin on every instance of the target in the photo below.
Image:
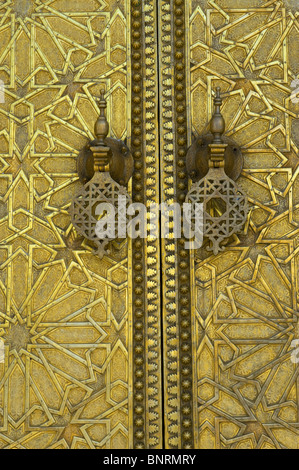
[216, 161]
[106, 169]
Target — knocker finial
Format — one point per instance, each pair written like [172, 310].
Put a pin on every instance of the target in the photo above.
[217, 125]
[102, 196]
[101, 127]
[224, 205]
[101, 152]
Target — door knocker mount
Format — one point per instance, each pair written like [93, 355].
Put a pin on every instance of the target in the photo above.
[213, 163]
[104, 167]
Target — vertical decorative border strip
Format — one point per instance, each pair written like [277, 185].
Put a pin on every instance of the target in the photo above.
[154, 404]
[169, 248]
[176, 269]
[147, 401]
[130, 251]
[183, 259]
[195, 417]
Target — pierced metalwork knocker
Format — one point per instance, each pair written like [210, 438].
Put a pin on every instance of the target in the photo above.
[214, 159]
[105, 167]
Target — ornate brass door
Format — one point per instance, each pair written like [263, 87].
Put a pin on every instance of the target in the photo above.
[234, 314]
[154, 345]
[65, 314]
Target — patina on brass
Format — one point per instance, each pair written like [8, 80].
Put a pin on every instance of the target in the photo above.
[197, 160]
[198, 155]
[100, 189]
[119, 156]
[64, 346]
[225, 206]
[120, 162]
[83, 341]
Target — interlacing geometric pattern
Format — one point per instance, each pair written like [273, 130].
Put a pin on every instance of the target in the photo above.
[64, 312]
[174, 82]
[246, 298]
[224, 207]
[101, 192]
[70, 323]
[146, 294]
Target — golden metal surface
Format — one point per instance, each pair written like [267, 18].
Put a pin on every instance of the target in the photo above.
[65, 315]
[82, 336]
[224, 205]
[147, 406]
[245, 299]
[177, 308]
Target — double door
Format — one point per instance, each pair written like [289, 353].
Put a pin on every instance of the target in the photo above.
[153, 346]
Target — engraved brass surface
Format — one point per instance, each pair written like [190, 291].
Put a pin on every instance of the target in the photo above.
[197, 158]
[224, 205]
[80, 338]
[245, 300]
[102, 190]
[65, 315]
[241, 390]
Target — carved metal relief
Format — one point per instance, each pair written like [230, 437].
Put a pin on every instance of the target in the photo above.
[177, 307]
[245, 299]
[103, 190]
[65, 380]
[224, 205]
[80, 337]
[147, 403]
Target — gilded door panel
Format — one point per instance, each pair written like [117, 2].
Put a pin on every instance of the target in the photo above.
[80, 338]
[245, 299]
[65, 315]
[177, 352]
[237, 324]
[147, 405]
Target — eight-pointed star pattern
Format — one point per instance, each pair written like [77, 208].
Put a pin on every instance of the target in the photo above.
[63, 313]
[246, 298]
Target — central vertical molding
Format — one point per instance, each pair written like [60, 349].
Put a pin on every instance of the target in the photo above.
[176, 259]
[147, 125]
[147, 402]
